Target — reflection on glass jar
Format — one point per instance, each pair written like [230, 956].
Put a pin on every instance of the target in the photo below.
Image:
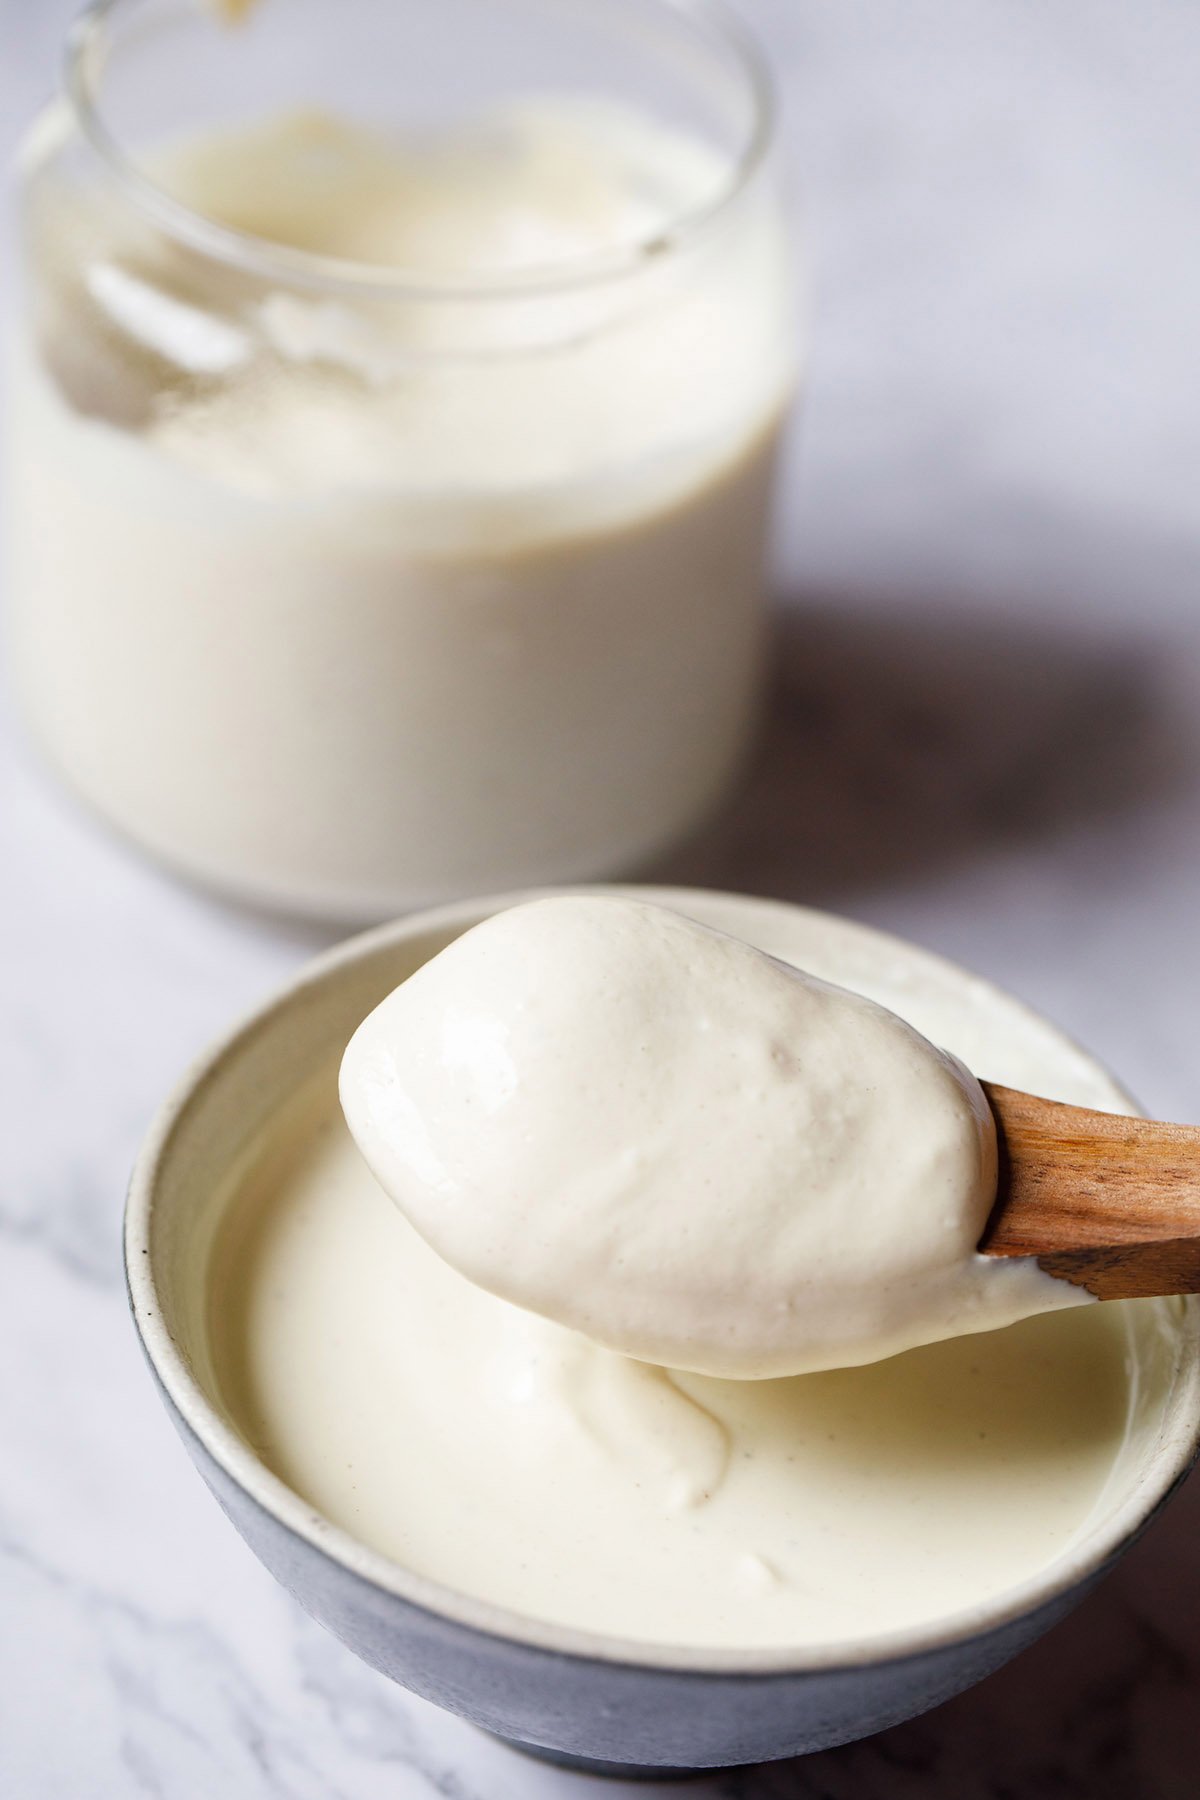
[394, 418]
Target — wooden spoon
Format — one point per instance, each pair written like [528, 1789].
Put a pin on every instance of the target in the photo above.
[1110, 1203]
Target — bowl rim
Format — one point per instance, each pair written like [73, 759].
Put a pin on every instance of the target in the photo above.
[1167, 1463]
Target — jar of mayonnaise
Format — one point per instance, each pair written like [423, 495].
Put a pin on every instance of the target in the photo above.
[393, 423]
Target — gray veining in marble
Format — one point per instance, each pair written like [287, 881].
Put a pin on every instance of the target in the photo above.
[985, 734]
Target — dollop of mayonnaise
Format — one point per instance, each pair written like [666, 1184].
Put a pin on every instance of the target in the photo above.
[689, 1152]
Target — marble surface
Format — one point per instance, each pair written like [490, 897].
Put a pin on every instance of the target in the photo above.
[985, 734]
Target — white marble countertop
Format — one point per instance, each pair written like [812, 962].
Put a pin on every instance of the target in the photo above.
[986, 735]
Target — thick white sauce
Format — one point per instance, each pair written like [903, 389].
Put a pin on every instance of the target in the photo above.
[512, 1459]
[687, 1150]
[346, 601]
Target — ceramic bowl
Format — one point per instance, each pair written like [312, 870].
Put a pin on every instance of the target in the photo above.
[572, 1695]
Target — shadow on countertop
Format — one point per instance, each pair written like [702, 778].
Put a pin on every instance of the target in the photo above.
[901, 741]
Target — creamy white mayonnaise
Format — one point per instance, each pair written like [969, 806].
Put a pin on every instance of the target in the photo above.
[687, 1150]
[514, 1460]
[345, 599]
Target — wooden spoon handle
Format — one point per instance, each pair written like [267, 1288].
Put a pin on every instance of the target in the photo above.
[1110, 1203]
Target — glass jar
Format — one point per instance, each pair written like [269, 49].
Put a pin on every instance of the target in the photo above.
[393, 420]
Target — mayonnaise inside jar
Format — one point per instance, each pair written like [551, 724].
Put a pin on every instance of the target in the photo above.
[390, 492]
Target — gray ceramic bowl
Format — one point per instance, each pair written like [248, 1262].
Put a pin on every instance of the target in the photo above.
[572, 1695]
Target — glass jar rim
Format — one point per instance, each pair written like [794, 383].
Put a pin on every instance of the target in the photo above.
[83, 61]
